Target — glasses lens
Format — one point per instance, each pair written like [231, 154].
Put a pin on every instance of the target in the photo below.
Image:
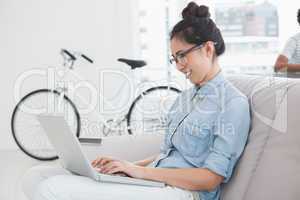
[171, 60]
[181, 60]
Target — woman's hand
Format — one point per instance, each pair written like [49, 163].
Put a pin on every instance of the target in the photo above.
[108, 165]
[100, 161]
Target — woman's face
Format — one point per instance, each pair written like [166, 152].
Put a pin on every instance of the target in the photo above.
[197, 63]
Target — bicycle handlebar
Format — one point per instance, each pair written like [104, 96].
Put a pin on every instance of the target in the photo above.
[87, 58]
[70, 58]
[69, 54]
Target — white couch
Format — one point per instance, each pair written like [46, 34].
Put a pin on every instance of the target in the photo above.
[270, 166]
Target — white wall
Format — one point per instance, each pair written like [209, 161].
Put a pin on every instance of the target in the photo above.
[33, 31]
[288, 25]
[31, 35]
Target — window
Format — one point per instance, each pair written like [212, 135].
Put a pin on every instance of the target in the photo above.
[254, 31]
[250, 30]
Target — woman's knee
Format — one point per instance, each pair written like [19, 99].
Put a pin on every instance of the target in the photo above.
[35, 175]
[60, 187]
[43, 191]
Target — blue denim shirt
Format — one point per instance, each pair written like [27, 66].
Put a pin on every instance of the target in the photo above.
[207, 128]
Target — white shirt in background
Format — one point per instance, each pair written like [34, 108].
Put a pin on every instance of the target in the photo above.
[292, 49]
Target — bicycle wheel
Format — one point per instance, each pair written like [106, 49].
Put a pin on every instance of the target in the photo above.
[148, 112]
[27, 131]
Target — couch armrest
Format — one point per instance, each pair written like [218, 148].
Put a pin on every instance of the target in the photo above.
[128, 147]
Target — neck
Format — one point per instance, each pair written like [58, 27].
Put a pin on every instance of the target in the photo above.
[211, 74]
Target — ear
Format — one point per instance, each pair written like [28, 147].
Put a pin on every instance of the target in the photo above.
[210, 49]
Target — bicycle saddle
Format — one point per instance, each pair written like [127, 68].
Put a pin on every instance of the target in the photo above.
[133, 63]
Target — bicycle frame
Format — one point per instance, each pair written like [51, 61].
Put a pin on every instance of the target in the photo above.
[61, 85]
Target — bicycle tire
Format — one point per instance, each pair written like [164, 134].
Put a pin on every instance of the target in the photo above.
[140, 98]
[17, 110]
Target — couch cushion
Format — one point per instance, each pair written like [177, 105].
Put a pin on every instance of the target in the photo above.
[269, 167]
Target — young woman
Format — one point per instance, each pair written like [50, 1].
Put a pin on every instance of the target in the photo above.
[207, 129]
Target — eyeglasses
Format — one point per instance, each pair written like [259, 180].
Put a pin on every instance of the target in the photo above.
[180, 58]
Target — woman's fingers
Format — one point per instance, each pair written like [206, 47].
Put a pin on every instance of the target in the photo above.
[108, 167]
[101, 161]
[95, 162]
[105, 161]
[108, 170]
[115, 170]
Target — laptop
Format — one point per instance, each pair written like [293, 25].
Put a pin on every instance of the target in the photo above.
[72, 157]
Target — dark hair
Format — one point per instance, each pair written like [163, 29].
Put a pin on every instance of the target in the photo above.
[197, 27]
[298, 16]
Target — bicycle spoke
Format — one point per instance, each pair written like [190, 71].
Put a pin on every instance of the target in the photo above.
[149, 112]
[27, 130]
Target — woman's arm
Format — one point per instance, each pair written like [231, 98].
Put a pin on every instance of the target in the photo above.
[293, 67]
[146, 161]
[103, 160]
[188, 178]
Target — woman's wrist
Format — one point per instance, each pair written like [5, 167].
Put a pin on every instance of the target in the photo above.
[145, 162]
[145, 173]
[140, 172]
[150, 173]
[140, 163]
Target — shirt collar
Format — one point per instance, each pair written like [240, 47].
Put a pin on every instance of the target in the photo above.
[211, 86]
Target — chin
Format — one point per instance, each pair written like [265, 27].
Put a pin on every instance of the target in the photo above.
[197, 82]
[194, 82]
[192, 79]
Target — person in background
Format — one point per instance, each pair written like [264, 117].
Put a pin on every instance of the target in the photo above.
[289, 59]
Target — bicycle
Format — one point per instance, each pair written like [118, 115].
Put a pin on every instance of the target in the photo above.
[133, 121]
[32, 140]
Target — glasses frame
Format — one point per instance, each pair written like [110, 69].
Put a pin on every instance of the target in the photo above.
[183, 54]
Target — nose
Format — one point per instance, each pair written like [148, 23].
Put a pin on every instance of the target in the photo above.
[180, 67]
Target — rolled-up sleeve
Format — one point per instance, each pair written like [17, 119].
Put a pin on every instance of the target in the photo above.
[230, 131]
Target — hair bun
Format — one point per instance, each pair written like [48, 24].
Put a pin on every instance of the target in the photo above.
[193, 10]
